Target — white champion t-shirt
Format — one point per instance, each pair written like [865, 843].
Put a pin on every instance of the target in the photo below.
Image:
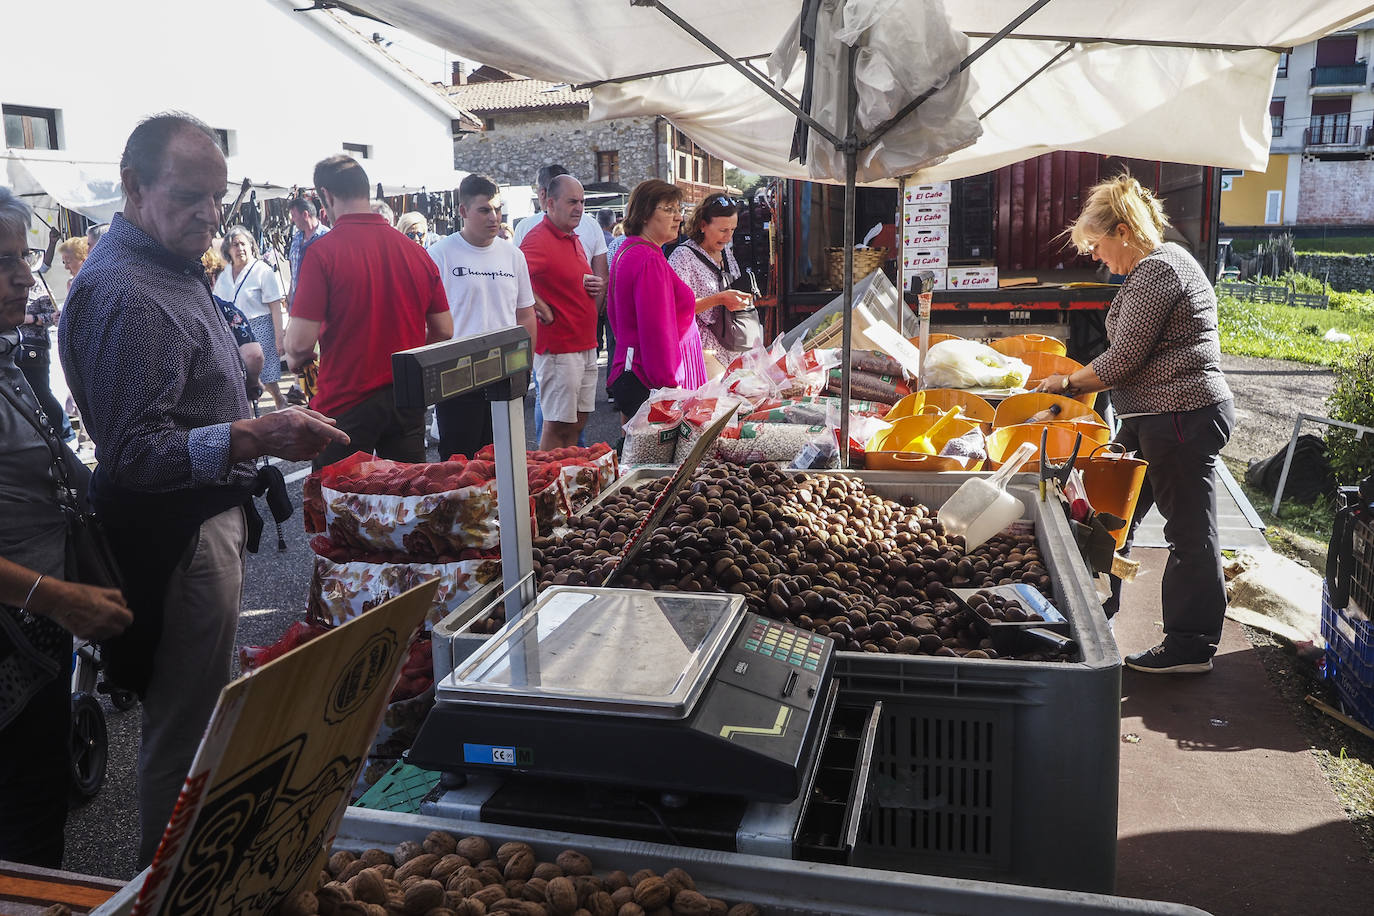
[588, 233]
[255, 286]
[484, 285]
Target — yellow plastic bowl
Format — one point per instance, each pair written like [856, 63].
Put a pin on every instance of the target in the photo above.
[1058, 444]
[916, 461]
[931, 400]
[898, 438]
[1029, 343]
[1019, 408]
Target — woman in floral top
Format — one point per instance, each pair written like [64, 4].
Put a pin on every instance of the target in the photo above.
[707, 264]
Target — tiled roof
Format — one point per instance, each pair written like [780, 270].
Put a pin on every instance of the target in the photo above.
[517, 95]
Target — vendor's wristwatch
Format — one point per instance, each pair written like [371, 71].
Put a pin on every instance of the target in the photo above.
[1064, 385]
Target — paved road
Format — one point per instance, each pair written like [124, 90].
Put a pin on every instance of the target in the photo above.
[102, 835]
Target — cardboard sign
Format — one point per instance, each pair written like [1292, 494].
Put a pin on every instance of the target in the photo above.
[922, 258]
[937, 192]
[926, 215]
[972, 278]
[925, 236]
[276, 768]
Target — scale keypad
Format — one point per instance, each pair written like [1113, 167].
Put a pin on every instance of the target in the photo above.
[800, 648]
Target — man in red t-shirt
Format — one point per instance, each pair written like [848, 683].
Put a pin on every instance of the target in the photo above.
[364, 292]
[565, 294]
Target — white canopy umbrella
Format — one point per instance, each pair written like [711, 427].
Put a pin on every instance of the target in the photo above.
[1175, 80]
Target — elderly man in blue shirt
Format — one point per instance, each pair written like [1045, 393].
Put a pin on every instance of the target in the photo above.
[157, 376]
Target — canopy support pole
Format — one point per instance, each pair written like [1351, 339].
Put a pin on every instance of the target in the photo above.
[1022, 85]
[850, 148]
[747, 72]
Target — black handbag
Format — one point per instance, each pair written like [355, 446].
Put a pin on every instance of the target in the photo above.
[736, 330]
[90, 560]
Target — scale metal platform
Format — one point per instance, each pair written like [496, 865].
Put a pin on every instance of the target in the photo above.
[669, 717]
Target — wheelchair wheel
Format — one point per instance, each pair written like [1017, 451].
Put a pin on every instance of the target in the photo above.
[123, 700]
[90, 744]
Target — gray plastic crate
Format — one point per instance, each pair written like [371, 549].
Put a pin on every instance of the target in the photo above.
[1000, 770]
[778, 886]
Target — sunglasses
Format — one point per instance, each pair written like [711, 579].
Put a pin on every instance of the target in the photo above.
[721, 202]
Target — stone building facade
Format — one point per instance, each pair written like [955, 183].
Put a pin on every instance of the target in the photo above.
[528, 123]
[515, 144]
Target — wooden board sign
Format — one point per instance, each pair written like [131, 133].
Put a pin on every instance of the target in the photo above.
[276, 768]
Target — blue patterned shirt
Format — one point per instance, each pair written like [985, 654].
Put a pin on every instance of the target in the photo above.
[151, 363]
[299, 245]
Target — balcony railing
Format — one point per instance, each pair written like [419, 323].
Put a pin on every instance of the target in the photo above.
[1346, 75]
[1331, 133]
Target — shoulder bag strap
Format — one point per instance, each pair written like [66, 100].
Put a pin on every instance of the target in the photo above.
[721, 270]
[247, 272]
[67, 496]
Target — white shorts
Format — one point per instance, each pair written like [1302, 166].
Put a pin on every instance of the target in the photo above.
[567, 384]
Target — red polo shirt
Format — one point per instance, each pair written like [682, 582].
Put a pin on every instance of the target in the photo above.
[371, 288]
[557, 265]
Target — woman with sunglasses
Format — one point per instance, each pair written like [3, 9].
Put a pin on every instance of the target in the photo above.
[1163, 366]
[415, 227]
[39, 610]
[651, 311]
[706, 262]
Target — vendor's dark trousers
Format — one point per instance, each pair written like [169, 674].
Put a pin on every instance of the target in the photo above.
[464, 425]
[375, 425]
[1182, 451]
[35, 776]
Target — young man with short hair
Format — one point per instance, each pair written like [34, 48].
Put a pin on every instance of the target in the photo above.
[488, 287]
[365, 292]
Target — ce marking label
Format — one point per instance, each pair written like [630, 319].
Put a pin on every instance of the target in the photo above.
[497, 756]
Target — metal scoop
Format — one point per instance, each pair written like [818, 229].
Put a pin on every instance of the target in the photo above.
[981, 508]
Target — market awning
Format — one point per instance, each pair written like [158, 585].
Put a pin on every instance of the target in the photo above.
[1175, 80]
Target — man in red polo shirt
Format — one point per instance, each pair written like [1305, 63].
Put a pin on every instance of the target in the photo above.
[364, 292]
[565, 290]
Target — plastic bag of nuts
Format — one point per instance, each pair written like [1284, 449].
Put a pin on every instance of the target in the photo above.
[445, 875]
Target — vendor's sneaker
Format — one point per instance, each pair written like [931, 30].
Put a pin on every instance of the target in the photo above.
[1161, 659]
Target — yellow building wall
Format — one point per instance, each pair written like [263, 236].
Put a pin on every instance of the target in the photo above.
[1243, 205]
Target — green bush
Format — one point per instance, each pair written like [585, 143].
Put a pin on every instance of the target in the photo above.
[1352, 400]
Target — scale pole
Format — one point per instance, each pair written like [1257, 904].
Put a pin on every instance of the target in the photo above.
[513, 500]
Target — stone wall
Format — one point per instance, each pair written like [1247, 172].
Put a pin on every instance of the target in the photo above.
[1346, 273]
[1336, 192]
[519, 143]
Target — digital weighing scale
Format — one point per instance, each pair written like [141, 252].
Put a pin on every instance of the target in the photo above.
[664, 716]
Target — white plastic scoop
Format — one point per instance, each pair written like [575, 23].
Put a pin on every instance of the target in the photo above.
[981, 508]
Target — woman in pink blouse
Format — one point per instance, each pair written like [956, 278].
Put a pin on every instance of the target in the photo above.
[652, 312]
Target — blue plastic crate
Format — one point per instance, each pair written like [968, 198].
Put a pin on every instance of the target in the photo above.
[1354, 628]
[1357, 697]
[1338, 641]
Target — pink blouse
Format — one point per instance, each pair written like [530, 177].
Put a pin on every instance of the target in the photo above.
[653, 311]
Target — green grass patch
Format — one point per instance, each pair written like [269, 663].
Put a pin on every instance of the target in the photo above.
[1300, 530]
[1275, 331]
[1354, 245]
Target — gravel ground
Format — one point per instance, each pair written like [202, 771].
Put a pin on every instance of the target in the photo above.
[102, 833]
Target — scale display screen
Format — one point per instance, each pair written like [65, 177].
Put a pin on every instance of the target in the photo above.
[603, 650]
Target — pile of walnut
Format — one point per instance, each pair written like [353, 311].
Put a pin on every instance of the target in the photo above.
[817, 550]
[446, 876]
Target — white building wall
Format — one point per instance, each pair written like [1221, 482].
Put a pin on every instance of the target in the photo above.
[289, 91]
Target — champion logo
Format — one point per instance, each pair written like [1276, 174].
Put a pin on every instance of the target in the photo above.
[494, 274]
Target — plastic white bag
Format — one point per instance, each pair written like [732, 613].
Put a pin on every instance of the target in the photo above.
[969, 364]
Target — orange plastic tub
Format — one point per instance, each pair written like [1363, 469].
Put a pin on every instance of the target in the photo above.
[1029, 343]
[915, 461]
[1059, 442]
[1043, 365]
[933, 400]
[1019, 408]
[899, 436]
[1113, 483]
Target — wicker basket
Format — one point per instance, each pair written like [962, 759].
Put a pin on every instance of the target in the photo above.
[866, 260]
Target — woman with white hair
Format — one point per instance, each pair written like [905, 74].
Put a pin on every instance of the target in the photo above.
[40, 609]
[252, 287]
